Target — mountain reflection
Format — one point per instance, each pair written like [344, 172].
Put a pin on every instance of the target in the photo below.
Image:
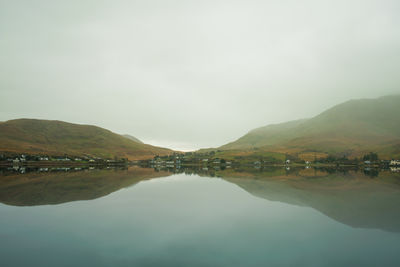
[43, 187]
[358, 198]
[353, 197]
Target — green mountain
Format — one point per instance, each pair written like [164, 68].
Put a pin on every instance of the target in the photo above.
[351, 128]
[58, 138]
[132, 138]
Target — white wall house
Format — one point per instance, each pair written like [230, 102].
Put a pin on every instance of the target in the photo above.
[394, 162]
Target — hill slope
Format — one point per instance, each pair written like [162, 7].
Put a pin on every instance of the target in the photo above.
[58, 138]
[351, 128]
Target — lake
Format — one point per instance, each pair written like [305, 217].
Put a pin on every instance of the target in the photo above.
[243, 217]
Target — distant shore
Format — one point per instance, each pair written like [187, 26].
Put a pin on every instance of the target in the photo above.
[59, 164]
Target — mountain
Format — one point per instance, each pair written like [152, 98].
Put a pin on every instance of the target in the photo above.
[33, 136]
[351, 128]
[132, 138]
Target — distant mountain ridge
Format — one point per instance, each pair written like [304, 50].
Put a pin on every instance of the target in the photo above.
[351, 128]
[34, 136]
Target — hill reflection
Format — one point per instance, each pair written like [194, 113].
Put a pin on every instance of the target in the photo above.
[353, 197]
[358, 198]
[38, 187]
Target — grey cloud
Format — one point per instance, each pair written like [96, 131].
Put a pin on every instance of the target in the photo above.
[191, 74]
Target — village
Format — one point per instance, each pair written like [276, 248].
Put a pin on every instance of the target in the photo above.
[210, 159]
[26, 159]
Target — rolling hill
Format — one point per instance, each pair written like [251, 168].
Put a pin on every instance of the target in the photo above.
[33, 136]
[351, 128]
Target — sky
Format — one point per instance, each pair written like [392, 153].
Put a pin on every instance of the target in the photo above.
[193, 74]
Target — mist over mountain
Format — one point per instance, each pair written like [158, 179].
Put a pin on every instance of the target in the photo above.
[351, 128]
[224, 66]
[132, 138]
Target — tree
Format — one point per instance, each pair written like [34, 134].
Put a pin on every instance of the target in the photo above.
[374, 156]
[371, 156]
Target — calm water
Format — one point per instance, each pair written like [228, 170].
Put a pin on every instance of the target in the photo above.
[142, 217]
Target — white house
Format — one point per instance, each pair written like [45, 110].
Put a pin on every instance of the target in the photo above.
[394, 162]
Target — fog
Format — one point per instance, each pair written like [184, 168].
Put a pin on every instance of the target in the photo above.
[192, 74]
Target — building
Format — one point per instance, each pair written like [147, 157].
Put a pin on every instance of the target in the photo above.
[217, 161]
[394, 162]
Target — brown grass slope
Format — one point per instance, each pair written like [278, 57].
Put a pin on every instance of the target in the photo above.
[58, 138]
[351, 128]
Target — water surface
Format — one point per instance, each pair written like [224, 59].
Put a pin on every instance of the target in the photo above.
[144, 217]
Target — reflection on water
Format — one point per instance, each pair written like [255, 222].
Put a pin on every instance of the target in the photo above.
[36, 186]
[200, 217]
[353, 197]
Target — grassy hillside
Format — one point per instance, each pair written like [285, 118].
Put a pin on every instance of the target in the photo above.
[58, 138]
[351, 128]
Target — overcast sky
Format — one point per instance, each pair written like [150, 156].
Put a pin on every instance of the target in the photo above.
[192, 74]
